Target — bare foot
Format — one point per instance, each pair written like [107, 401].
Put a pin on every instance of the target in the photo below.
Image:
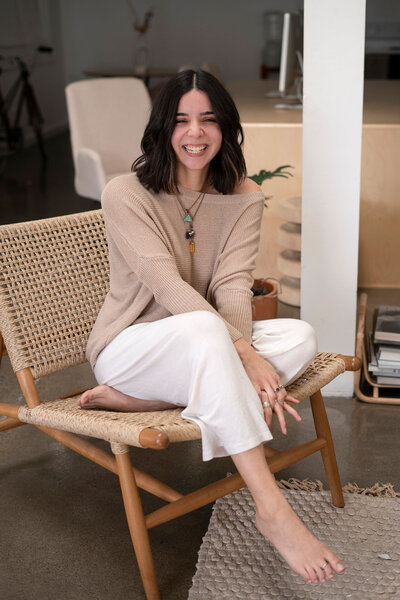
[303, 552]
[106, 397]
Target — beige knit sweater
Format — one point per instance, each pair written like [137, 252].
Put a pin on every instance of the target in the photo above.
[152, 273]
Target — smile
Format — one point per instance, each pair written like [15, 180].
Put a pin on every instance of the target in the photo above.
[195, 150]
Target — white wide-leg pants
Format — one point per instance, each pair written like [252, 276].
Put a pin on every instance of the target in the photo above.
[189, 360]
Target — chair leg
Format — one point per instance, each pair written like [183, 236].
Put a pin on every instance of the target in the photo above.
[9, 423]
[328, 452]
[2, 347]
[137, 527]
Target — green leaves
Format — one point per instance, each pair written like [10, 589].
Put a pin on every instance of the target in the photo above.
[279, 172]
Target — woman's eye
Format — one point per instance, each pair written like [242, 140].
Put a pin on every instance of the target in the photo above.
[180, 121]
[211, 119]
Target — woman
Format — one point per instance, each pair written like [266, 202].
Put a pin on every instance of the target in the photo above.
[175, 328]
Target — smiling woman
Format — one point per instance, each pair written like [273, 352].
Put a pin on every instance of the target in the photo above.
[176, 326]
[197, 137]
[194, 110]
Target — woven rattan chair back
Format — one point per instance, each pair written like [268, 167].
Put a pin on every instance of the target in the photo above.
[54, 275]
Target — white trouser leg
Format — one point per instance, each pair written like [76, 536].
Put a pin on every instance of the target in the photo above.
[288, 344]
[189, 360]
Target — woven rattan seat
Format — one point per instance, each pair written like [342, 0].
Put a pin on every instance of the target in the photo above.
[53, 280]
[126, 428]
[123, 428]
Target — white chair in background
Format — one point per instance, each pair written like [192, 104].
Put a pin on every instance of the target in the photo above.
[107, 119]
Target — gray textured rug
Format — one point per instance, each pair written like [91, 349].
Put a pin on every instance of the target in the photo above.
[236, 562]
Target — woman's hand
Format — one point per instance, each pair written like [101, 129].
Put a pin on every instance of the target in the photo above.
[267, 384]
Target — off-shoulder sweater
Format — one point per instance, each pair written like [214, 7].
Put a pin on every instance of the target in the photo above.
[153, 275]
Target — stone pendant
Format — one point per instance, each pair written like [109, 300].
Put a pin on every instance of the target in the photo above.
[189, 235]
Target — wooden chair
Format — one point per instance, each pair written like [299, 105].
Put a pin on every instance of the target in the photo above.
[53, 278]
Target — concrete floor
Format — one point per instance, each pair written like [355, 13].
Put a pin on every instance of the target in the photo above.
[63, 534]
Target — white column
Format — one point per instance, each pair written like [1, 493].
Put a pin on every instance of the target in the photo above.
[334, 33]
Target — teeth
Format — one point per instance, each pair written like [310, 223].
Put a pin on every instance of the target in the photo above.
[195, 149]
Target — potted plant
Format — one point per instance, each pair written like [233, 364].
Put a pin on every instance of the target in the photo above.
[264, 304]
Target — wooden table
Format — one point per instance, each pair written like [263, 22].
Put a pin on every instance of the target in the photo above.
[273, 137]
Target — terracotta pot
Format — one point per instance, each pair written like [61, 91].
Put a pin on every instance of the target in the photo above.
[264, 305]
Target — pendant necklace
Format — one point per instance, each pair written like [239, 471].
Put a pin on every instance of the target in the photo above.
[188, 218]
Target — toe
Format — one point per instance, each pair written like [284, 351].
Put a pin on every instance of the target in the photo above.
[312, 576]
[320, 574]
[334, 563]
[328, 571]
[304, 574]
[83, 399]
[338, 566]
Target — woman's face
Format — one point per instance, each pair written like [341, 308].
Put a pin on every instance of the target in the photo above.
[197, 136]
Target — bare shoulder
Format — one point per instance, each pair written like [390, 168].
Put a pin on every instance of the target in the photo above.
[247, 186]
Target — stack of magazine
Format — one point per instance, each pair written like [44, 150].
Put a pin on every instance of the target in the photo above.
[384, 347]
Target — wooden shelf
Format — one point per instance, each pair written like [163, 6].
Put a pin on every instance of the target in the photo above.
[366, 388]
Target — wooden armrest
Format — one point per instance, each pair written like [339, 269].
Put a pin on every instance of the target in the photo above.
[352, 363]
[153, 438]
[9, 410]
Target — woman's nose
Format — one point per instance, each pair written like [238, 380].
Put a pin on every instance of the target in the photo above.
[196, 129]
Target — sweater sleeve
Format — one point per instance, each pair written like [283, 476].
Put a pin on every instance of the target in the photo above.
[142, 246]
[232, 279]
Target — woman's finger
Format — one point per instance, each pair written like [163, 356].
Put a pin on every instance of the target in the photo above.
[292, 411]
[267, 407]
[278, 410]
[267, 389]
[284, 399]
[281, 396]
[292, 400]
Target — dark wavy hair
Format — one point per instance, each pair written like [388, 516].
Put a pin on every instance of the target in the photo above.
[156, 167]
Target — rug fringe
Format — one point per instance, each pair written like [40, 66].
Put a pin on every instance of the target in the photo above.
[305, 485]
[381, 490]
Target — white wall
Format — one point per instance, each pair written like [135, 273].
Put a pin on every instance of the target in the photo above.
[332, 130]
[98, 33]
